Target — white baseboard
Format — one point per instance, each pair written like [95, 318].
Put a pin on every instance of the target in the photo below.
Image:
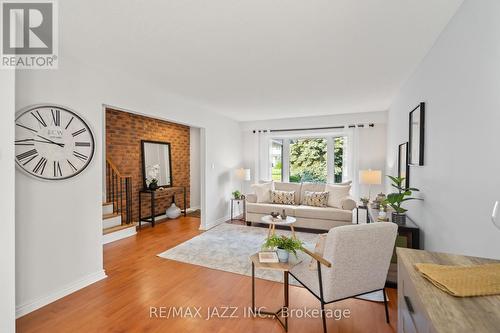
[70, 288]
[120, 234]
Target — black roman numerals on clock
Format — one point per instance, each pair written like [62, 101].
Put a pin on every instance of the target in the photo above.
[57, 169]
[40, 166]
[52, 142]
[56, 117]
[27, 156]
[80, 156]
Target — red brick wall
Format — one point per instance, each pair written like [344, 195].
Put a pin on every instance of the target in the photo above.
[124, 132]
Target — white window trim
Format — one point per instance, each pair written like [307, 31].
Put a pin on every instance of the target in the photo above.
[329, 136]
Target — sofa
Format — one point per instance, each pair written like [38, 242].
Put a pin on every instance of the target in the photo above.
[319, 218]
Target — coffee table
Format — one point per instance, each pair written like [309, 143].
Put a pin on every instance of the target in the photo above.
[268, 219]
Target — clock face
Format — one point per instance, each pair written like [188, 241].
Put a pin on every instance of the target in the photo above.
[52, 142]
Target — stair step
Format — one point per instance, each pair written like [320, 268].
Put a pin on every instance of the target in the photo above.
[118, 227]
[119, 232]
[111, 220]
[107, 208]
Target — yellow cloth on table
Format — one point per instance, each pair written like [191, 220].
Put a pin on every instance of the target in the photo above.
[463, 281]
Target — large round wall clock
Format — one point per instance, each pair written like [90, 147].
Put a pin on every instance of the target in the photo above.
[52, 142]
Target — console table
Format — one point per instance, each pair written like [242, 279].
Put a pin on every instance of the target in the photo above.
[422, 307]
[165, 192]
[408, 237]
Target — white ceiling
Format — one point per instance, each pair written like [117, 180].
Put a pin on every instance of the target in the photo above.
[261, 59]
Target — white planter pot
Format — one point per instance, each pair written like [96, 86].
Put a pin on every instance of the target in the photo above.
[173, 211]
[282, 255]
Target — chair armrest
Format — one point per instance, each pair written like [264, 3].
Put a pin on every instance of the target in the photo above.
[317, 257]
[348, 203]
[252, 198]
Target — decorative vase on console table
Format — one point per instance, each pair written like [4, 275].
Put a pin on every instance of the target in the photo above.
[399, 218]
[173, 211]
[153, 184]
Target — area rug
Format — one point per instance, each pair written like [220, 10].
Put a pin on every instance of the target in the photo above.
[227, 247]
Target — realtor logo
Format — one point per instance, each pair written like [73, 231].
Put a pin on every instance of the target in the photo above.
[29, 34]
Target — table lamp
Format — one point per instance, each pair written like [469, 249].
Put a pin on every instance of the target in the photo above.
[370, 177]
[243, 175]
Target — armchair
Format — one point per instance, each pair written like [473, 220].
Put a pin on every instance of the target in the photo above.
[355, 262]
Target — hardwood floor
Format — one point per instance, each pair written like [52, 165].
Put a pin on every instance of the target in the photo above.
[138, 279]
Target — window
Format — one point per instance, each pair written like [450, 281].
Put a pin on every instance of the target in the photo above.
[339, 158]
[309, 159]
[277, 160]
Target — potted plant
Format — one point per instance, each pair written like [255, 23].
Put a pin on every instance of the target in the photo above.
[365, 201]
[152, 176]
[236, 194]
[285, 246]
[396, 199]
[153, 184]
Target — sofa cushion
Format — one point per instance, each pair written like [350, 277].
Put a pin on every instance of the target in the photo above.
[311, 187]
[263, 192]
[316, 199]
[325, 213]
[283, 197]
[262, 208]
[289, 187]
[336, 194]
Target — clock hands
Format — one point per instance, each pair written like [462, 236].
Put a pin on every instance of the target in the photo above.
[21, 142]
[50, 141]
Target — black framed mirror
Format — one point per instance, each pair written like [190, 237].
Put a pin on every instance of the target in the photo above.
[403, 166]
[156, 164]
[417, 132]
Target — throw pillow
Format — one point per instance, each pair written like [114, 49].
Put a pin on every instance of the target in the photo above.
[319, 249]
[283, 197]
[316, 199]
[263, 192]
[337, 193]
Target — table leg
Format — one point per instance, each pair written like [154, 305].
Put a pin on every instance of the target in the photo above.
[285, 292]
[253, 288]
[140, 210]
[231, 209]
[293, 231]
[357, 215]
[153, 209]
[269, 230]
[185, 202]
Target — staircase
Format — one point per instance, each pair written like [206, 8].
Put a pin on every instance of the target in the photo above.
[117, 210]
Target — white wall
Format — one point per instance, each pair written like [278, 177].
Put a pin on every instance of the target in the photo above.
[459, 80]
[372, 141]
[7, 205]
[59, 223]
[194, 171]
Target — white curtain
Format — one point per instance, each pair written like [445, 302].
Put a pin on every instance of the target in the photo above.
[262, 165]
[351, 160]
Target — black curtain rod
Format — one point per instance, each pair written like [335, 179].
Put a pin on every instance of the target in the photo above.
[312, 129]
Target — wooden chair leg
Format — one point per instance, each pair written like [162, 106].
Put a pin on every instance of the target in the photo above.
[386, 309]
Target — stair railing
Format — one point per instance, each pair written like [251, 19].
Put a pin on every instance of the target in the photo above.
[119, 192]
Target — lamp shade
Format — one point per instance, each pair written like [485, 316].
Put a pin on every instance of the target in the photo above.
[370, 177]
[243, 174]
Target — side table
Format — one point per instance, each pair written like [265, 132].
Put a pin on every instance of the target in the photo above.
[358, 207]
[281, 266]
[239, 201]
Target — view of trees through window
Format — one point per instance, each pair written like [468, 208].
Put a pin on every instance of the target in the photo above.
[277, 160]
[308, 159]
